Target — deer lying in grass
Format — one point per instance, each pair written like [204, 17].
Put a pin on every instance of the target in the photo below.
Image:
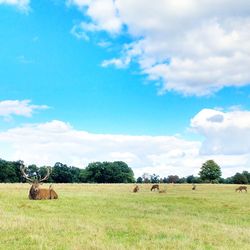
[240, 188]
[162, 191]
[37, 193]
[136, 189]
[155, 186]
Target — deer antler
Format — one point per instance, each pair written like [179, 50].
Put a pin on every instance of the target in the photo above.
[22, 169]
[46, 176]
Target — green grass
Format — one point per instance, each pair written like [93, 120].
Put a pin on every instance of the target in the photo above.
[112, 217]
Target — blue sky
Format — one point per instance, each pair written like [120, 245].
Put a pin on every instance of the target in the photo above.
[101, 68]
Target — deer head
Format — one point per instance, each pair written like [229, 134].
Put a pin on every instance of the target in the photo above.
[35, 183]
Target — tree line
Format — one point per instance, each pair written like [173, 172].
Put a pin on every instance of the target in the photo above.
[114, 172]
[96, 172]
[210, 173]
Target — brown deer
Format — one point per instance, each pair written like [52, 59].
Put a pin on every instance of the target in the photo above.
[155, 186]
[240, 188]
[136, 189]
[194, 187]
[37, 193]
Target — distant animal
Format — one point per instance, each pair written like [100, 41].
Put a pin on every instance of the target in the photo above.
[162, 191]
[240, 188]
[37, 193]
[194, 187]
[136, 189]
[155, 186]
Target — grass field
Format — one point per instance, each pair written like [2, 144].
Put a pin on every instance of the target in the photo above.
[112, 217]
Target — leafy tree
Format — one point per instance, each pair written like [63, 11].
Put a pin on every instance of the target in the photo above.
[173, 179]
[182, 180]
[109, 172]
[240, 179]
[154, 178]
[61, 173]
[247, 174]
[139, 180]
[210, 171]
[165, 180]
[9, 171]
[146, 178]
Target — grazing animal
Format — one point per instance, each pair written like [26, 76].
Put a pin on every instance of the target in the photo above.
[194, 187]
[136, 189]
[240, 188]
[37, 193]
[155, 186]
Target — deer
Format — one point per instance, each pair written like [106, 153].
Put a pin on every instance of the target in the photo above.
[194, 187]
[240, 188]
[136, 189]
[155, 186]
[37, 193]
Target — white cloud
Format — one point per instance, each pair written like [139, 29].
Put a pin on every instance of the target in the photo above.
[225, 133]
[23, 5]
[104, 15]
[195, 47]
[8, 108]
[54, 141]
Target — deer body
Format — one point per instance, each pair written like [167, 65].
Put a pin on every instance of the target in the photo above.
[136, 189]
[37, 193]
[155, 186]
[240, 188]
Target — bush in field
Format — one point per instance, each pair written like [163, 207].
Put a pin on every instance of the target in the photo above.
[210, 172]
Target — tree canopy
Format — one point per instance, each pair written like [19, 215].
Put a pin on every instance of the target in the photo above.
[210, 171]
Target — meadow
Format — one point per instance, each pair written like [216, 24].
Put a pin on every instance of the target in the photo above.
[111, 216]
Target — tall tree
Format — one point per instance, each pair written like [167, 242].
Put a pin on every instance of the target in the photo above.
[210, 171]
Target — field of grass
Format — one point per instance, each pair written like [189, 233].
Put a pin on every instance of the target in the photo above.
[112, 217]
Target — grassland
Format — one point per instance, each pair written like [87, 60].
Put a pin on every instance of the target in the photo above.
[112, 217]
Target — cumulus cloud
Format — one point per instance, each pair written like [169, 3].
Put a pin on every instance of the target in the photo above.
[104, 15]
[23, 5]
[47, 143]
[226, 133]
[9, 108]
[194, 47]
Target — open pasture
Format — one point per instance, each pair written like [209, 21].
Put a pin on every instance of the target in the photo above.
[111, 216]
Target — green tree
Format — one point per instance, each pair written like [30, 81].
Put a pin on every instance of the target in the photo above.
[154, 178]
[108, 172]
[247, 174]
[173, 179]
[210, 172]
[139, 180]
[240, 179]
[9, 171]
[61, 173]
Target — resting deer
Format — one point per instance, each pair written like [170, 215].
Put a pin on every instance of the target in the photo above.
[136, 189]
[37, 193]
[240, 188]
[162, 191]
[155, 186]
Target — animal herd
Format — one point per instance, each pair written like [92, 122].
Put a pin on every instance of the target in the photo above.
[156, 187]
[38, 193]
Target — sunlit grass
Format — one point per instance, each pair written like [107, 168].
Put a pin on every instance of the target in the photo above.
[113, 217]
